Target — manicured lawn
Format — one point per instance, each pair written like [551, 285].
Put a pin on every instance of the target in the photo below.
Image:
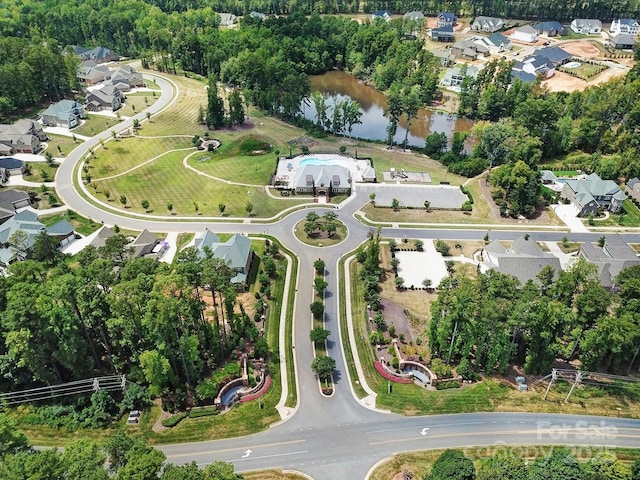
[565, 173]
[339, 236]
[66, 145]
[135, 102]
[41, 172]
[95, 124]
[118, 156]
[631, 217]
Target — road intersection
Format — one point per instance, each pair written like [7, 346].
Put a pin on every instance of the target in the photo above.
[341, 436]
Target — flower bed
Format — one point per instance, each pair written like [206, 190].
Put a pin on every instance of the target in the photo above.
[259, 393]
[394, 378]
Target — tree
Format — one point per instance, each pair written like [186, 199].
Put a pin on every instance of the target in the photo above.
[170, 207]
[123, 200]
[215, 106]
[182, 472]
[559, 465]
[320, 102]
[12, 440]
[145, 205]
[117, 448]
[157, 371]
[399, 282]
[83, 459]
[323, 366]
[427, 205]
[394, 110]
[318, 335]
[236, 107]
[317, 309]
[320, 285]
[319, 265]
[410, 105]
[351, 114]
[46, 250]
[395, 204]
[452, 465]
[142, 463]
[435, 144]
[48, 157]
[504, 465]
[221, 471]
[419, 244]
[249, 208]
[222, 207]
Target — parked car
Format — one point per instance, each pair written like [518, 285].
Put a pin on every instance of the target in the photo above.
[134, 417]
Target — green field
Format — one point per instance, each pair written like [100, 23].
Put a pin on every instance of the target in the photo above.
[66, 145]
[95, 124]
[41, 172]
[137, 102]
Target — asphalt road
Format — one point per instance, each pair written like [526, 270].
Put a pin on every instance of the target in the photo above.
[337, 437]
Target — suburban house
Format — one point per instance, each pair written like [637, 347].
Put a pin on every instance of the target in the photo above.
[99, 55]
[591, 193]
[101, 237]
[12, 166]
[381, 14]
[447, 58]
[108, 97]
[487, 24]
[556, 55]
[24, 136]
[626, 26]
[90, 75]
[65, 113]
[322, 181]
[496, 43]
[523, 260]
[615, 256]
[259, 15]
[10, 201]
[446, 19]
[143, 244]
[586, 26]
[227, 19]
[622, 42]
[414, 16]
[536, 65]
[632, 188]
[469, 50]
[524, 77]
[27, 222]
[128, 76]
[526, 34]
[454, 76]
[236, 253]
[550, 29]
[442, 34]
[547, 177]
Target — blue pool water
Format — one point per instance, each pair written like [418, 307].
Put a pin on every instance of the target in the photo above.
[312, 161]
[561, 180]
[228, 395]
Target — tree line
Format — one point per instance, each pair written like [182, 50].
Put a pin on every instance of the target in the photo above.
[488, 322]
[166, 328]
[120, 457]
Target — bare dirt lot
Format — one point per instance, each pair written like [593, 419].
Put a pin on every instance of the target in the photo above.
[581, 49]
[563, 82]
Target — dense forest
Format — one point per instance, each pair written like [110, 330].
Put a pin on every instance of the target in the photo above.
[126, 459]
[107, 313]
[488, 322]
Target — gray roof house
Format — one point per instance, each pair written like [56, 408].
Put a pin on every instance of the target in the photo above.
[556, 55]
[227, 19]
[127, 75]
[144, 243]
[65, 113]
[586, 26]
[320, 180]
[632, 188]
[10, 201]
[468, 49]
[627, 26]
[454, 76]
[24, 136]
[526, 34]
[622, 42]
[548, 177]
[591, 193]
[550, 29]
[442, 34]
[536, 65]
[496, 43]
[446, 19]
[447, 58]
[523, 260]
[235, 253]
[100, 55]
[108, 96]
[14, 166]
[524, 77]
[101, 236]
[487, 24]
[27, 222]
[615, 256]
[258, 15]
[381, 14]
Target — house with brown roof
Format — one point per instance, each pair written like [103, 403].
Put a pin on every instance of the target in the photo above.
[108, 97]
[24, 136]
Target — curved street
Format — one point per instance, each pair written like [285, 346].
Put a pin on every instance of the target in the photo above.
[339, 437]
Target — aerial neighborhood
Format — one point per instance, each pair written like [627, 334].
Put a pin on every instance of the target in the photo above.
[325, 235]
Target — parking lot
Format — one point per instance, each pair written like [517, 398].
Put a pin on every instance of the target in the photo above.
[414, 196]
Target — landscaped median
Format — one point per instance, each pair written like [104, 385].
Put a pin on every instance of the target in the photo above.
[322, 365]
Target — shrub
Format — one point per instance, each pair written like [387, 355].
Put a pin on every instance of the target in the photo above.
[447, 385]
[443, 248]
[174, 420]
[203, 412]
[395, 363]
[440, 368]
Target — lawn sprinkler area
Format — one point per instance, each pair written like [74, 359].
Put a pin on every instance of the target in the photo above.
[286, 172]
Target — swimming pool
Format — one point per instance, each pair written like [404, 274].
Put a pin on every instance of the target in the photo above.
[314, 161]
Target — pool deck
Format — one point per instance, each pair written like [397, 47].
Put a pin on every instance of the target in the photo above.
[287, 167]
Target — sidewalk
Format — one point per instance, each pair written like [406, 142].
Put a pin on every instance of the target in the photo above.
[64, 132]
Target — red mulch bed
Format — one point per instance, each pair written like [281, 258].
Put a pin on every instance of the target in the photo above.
[381, 370]
[259, 393]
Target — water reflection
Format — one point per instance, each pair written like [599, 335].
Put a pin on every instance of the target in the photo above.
[340, 86]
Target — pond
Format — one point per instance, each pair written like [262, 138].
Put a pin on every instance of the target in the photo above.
[338, 85]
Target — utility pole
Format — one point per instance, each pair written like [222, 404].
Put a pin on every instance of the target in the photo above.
[554, 376]
[576, 382]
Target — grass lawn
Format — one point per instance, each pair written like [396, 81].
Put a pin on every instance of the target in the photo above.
[419, 463]
[80, 224]
[95, 124]
[586, 71]
[251, 169]
[630, 214]
[66, 145]
[339, 236]
[137, 102]
[565, 173]
[272, 475]
[118, 156]
[41, 172]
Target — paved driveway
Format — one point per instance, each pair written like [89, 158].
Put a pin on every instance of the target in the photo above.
[440, 196]
[567, 213]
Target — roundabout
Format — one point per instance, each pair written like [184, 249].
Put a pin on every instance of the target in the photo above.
[341, 436]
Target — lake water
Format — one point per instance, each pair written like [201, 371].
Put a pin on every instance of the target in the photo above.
[338, 85]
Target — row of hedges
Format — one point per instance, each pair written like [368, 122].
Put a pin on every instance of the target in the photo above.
[467, 192]
[195, 413]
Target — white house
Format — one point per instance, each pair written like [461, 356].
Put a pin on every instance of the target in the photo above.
[526, 34]
[496, 43]
[446, 19]
[586, 26]
[537, 65]
[626, 26]
[454, 76]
